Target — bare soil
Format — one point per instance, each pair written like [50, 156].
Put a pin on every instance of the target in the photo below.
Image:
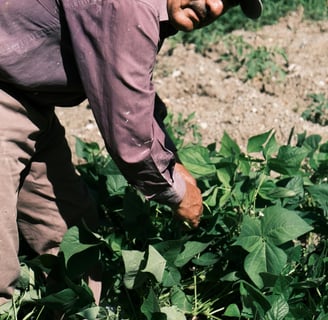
[190, 82]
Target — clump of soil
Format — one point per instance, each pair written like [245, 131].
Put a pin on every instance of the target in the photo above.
[190, 82]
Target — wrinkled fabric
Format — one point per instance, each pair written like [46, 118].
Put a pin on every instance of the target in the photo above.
[60, 52]
[41, 195]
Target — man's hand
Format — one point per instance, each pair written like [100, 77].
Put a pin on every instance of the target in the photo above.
[190, 208]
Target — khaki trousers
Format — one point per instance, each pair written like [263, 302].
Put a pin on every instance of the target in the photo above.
[40, 193]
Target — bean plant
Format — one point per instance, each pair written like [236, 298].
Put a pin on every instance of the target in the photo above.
[317, 111]
[250, 62]
[260, 252]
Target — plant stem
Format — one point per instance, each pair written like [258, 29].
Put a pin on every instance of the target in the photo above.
[195, 292]
[14, 307]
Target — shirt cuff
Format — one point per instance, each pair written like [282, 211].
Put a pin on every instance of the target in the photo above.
[173, 195]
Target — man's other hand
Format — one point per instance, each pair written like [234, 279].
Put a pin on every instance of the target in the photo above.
[190, 208]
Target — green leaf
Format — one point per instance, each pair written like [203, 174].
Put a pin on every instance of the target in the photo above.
[229, 148]
[232, 311]
[206, 259]
[170, 249]
[253, 298]
[271, 147]
[279, 309]
[132, 262]
[181, 300]
[197, 161]
[255, 143]
[266, 188]
[191, 249]
[83, 261]
[135, 273]
[280, 225]
[26, 277]
[289, 160]
[292, 192]
[312, 142]
[281, 192]
[81, 250]
[76, 240]
[224, 198]
[136, 209]
[231, 277]
[319, 193]
[171, 277]
[211, 197]
[260, 237]
[282, 286]
[155, 264]
[226, 172]
[116, 184]
[85, 150]
[150, 305]
[265, 258]
[115, 181]
[63, 300]
[250, 235]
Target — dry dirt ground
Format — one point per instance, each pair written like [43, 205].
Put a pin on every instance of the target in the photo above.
[190, 82]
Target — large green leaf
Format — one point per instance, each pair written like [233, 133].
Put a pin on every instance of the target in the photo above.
[289, 160]
[81, 250]
[137, 264]
[250, 235]
[197, 161]
[261, 238]
[266, 257]
[155, 264]
[132, 262]
[280, 225]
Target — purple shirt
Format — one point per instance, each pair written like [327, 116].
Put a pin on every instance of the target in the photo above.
[60, 52]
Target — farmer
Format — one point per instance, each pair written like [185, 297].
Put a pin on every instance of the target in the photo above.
[58, 53]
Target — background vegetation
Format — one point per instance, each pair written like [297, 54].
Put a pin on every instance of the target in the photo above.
[234, 19]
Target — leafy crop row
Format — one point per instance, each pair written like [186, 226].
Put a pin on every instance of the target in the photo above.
[261, 251]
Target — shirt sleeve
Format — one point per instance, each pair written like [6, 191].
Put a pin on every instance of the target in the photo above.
[115, 45]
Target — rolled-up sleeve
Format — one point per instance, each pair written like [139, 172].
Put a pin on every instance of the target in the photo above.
[115, 45]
